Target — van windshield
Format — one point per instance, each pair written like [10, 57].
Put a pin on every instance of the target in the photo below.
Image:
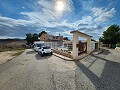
[46, 47]
[38, 45]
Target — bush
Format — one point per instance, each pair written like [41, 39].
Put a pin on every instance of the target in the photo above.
[118, 45]
[105, 45]
[113, 46]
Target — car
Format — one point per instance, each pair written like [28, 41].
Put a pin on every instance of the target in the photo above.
[63, 48]
[44, 50]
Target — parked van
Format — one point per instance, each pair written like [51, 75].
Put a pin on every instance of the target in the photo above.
[37, 45]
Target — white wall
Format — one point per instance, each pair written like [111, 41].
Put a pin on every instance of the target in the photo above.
[92, 45]
[53, 44]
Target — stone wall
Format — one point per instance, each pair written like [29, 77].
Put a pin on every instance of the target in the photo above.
[66, 54]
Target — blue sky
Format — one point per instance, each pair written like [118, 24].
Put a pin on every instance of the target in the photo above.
[18, 17]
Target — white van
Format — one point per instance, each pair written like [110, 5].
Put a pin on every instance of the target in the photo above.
[37, 45]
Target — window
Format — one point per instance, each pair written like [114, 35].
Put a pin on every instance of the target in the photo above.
[46, 47]
[38, 45]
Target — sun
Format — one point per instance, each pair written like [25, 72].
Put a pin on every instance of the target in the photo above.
[59, 6]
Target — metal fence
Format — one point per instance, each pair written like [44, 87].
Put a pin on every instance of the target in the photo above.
[53, 44]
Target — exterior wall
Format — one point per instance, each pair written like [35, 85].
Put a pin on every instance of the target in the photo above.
[50, 37]
[92, 45]
[60, 43]
[75, 49]
[53, 44]
[88, 45]
[44, 37]
[100, 44]
[59, 37]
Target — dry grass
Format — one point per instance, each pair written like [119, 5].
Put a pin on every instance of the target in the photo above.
[12, 46]
[8, 55]
[18, 53]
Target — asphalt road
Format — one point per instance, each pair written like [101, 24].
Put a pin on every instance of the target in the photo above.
[29, 71]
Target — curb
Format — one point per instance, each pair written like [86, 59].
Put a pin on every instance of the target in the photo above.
[62, 57]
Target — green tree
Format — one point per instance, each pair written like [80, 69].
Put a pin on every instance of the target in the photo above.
[35, 37]
[43, 32]
[65, 38]
[111, 35]
[29, 38]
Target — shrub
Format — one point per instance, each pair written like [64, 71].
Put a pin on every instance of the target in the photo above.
[118, 45]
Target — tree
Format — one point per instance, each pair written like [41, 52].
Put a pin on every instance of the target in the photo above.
[43, 32]
[111, 35]
[35, 37]
[29, 38]
[65, 38]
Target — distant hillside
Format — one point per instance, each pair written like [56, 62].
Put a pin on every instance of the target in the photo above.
[12, 44]
[16, 39]
[6, 41]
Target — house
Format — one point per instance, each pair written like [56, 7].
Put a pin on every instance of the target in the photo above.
[48, 37]
[52, 40]
[94, 45]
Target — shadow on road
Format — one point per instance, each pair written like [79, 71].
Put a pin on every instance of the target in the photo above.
[105, 52]
[38, 57]
[110, 76]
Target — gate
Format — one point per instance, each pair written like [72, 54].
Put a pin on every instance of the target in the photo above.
[82, 47]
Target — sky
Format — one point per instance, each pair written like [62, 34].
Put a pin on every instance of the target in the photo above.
[92, 17]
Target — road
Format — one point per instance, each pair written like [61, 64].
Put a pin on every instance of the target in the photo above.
[29, 71]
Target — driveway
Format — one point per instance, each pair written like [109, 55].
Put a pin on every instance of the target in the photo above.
[29, 71]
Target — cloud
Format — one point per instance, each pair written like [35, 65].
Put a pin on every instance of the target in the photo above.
[6, 21]
[6, 37]
[44, 16]
[90, 28]
[51, 5]
[81, 24]
[42, 29]
[65, 33]
[48, 13]
[87, 4]
[86, 20]
[102, 14]
[42, 19]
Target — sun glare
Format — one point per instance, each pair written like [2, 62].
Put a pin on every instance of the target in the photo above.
[60, 6]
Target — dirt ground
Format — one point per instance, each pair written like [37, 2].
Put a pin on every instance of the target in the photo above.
[7, 55]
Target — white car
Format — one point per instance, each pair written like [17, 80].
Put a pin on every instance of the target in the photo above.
[63, 48]
[44, 50]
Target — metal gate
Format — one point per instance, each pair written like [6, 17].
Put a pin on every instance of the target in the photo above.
[82, 47]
